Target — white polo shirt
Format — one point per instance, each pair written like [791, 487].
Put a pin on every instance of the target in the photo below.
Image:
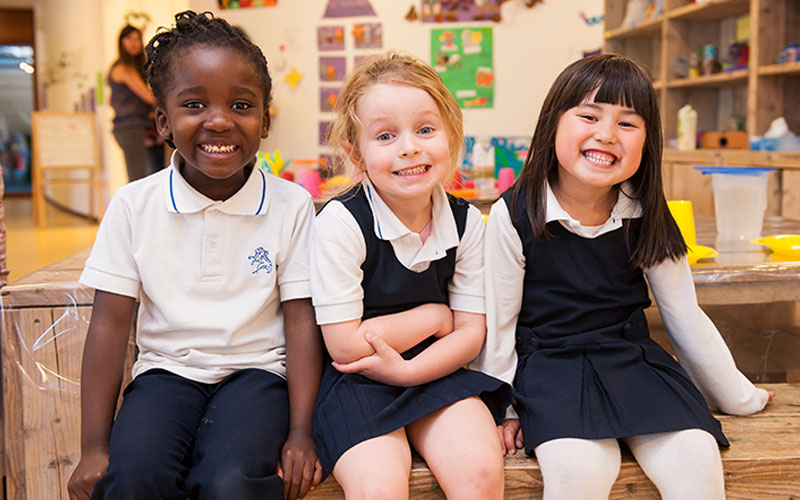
[697, 342]
[338, 250]
[209, 275]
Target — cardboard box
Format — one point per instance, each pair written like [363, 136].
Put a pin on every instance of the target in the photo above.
[725, 140]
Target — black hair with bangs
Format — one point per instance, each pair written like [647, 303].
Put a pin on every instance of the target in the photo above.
[618, 80]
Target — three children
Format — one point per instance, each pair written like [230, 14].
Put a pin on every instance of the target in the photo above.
[222, 260]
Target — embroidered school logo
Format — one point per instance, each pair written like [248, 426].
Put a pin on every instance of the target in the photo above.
[260, 259]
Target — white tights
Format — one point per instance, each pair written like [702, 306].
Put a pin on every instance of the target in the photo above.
[684, 465]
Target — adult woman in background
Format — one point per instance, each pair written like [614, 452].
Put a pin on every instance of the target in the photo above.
[132, 101]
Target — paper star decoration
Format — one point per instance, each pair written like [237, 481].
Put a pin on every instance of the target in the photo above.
[293, 77]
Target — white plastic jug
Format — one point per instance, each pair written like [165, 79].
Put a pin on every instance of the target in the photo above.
[740, 199]
[687, 128]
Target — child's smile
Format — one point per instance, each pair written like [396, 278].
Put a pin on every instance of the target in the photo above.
[599, 145]
[216, 121]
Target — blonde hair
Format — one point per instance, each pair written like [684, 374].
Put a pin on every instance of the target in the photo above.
[391, 67]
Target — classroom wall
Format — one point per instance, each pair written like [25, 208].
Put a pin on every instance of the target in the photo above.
[531, 46]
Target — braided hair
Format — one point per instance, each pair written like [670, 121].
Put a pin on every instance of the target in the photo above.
[192, 30]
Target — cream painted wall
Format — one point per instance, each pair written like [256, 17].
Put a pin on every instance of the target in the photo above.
[531, 46]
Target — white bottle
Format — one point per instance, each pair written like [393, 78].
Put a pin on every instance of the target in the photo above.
[687, 128]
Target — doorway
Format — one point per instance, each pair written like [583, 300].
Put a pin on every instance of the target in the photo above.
[18, 98]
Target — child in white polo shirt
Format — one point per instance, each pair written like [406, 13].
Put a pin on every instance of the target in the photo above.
[216, 253]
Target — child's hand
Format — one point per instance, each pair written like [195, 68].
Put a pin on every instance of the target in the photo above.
[299, 467]
[510, 434]
[385, 365]
[91, 467]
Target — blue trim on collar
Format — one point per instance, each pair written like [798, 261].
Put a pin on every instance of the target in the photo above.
[369, 195]
[263, 190]
[171, 193]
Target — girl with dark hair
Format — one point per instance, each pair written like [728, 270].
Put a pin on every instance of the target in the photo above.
[570, 251]
[229, 357]
[132, 101]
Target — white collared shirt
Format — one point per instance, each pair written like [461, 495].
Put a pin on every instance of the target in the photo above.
[209, 275]
[338, 250]
[697, 342]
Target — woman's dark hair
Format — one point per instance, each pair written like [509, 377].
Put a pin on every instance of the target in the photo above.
[618, 80]
[123, 57]
[197, 30]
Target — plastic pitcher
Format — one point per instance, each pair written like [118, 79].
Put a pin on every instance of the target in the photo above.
[740, 199]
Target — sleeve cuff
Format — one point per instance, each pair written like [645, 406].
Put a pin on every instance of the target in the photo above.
[338, 313]
[467, 303]
[100, 280]
[295, 290]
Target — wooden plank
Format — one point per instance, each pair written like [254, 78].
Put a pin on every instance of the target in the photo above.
[42, 355]
[42, 407]
[735, 157]
[15, 372]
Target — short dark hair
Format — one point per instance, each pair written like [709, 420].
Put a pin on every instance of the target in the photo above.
[192, 29]
[618, 80]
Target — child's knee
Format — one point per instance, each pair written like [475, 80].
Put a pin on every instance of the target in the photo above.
[579, 467]
[233, 482]
[138, 480]
[384, 486]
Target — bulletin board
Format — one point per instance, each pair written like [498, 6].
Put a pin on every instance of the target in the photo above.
[64, 139]
[64, 142]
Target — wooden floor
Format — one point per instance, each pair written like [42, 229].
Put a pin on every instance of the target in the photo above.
[29, 248]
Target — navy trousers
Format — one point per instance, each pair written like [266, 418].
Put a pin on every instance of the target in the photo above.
[174, 437]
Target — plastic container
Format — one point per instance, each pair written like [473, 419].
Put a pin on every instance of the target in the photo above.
[687, 128]
[505, 179]
[740, 199]
[681, 211]
[483, 166]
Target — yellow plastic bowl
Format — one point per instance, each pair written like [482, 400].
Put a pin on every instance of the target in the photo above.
[697, 252]
[785, 245]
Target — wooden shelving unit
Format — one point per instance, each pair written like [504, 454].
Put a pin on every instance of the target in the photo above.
[758, 94]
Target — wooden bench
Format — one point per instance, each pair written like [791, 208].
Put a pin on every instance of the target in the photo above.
[45, 317]
[763, 461]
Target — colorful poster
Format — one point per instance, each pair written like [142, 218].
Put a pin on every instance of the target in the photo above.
[464, 57]
[327, 98]
[454, 11]
[331, 69]
[509, 151]
[368, 35]
[348, 8]
[324, 127]
[244, 4]
[330, 38]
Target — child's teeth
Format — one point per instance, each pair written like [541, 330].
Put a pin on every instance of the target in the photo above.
[600, 158]
[212, 148]
[412, 171]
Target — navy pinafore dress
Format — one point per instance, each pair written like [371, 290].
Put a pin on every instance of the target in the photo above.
[587, 366]
[351, 408]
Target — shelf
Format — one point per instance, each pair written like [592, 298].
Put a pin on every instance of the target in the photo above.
[774, 159]
[644, 29]
[713, 9]
[658, 85]
[716, 80]
[792, 68]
